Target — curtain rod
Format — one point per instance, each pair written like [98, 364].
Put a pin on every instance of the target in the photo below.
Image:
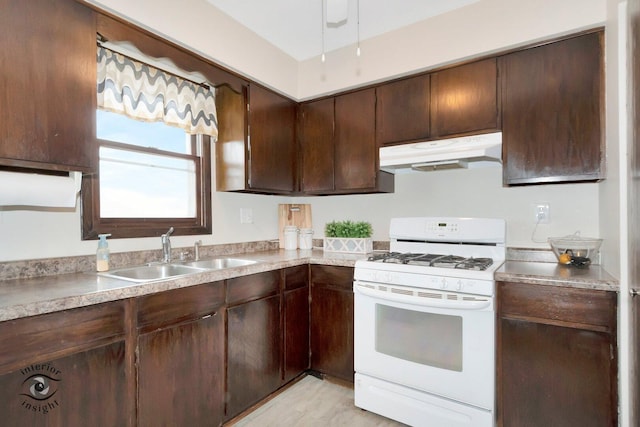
[104, 43]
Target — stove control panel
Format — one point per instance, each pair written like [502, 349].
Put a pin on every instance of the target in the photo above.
[424, 281]
[438, 227]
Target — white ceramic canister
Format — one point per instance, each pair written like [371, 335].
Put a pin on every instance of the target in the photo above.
[291, 238]
[306, 238]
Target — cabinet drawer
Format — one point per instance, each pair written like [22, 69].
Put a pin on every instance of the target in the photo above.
[296, 277]
[179, 305]
[49, 336]
[254, 286]
[333, 277]
[559, 305]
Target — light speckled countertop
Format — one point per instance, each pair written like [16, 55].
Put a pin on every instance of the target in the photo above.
[46, 294]
[554, 274]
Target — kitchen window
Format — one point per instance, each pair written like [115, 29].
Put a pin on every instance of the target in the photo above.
[154, 130]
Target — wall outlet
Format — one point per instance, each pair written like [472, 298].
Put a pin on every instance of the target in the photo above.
[541, 213]
[246, 216]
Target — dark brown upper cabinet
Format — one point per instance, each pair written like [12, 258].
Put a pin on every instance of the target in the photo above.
[464, 99]
[256, 147]
[338, 146]
[402, 110]
[553, 112]
[315, 122]
[356, 151]
[48, 85]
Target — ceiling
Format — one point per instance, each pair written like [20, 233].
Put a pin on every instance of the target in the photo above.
[296, 26]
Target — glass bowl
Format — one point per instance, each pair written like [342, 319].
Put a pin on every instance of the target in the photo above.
[575, 250]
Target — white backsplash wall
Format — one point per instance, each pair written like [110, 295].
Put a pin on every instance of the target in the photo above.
[470, 193]
[28, 234]
[464, 192]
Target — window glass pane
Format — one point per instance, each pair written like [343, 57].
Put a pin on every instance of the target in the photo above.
[141, 185]
[426, 338]
[119, 128]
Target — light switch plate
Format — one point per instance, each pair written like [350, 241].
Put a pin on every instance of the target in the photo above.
[246, 216]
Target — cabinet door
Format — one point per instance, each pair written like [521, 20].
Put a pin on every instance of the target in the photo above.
[253, 353]
[317, 148]
[64, 368]
[181, 374]
[296, 321]
[48, 85]
[555, 376]
[553, 112]
[231, 155]
[556, 356]
[180, 356]
[402, 110]
[356, 151]
[332, 321]
[464, 99]
[68, 391]
[272, 153]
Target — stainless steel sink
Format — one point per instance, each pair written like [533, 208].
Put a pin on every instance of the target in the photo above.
[147, 273]
[220, 263]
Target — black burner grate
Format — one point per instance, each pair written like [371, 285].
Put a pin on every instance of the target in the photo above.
[434, 260]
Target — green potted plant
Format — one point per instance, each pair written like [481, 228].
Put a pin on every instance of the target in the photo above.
[348, 236]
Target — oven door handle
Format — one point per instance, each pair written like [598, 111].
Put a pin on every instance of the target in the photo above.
[482, 303]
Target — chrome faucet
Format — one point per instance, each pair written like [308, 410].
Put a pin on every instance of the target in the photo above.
[166, 246]
[196, 251]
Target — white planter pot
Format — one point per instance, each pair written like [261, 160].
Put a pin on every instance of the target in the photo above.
[348, 245]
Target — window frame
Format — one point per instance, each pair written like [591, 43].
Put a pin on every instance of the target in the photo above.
[109, 27]
[93, 224]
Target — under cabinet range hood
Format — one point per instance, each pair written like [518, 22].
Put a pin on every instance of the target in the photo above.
[463, 152]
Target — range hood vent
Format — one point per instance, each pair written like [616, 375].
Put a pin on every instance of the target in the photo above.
[464, 152]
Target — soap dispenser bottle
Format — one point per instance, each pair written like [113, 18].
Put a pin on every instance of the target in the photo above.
[102, 255]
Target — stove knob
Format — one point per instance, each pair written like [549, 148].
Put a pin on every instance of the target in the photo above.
[459, 285]
[443, 283]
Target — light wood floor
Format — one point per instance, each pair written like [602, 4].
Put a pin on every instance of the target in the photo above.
[312, 402]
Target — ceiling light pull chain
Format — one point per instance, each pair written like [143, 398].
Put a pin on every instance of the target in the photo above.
[358, 19]
[322, 58]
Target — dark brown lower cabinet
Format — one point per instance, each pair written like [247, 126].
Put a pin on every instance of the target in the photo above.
[180, 357]
[295, 321]
[253, 340]
[557, 358]
[193, 356]
[332, 321]
[66, 369]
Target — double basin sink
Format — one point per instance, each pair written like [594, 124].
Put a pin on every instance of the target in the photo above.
[160, 271]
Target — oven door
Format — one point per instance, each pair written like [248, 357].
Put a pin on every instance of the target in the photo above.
[440, 343]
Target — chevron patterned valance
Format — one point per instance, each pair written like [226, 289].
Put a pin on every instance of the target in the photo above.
[142, 92]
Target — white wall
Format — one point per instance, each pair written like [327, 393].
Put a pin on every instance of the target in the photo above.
[200, 27]
[478, 29]
[468, 192]
[26, 234]
[610, 190]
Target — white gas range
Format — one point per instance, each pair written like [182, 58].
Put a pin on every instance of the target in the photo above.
[425, 322]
